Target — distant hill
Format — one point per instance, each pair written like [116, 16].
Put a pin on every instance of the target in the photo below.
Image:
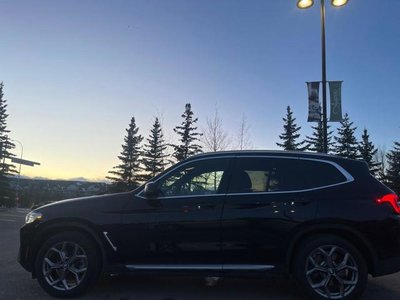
[32, 191]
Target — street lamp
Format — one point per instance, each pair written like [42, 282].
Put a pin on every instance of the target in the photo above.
[339, 3]
[19, 170]
[22, 153]
[303, 4]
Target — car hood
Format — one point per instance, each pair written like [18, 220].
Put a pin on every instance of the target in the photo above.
[86, 206]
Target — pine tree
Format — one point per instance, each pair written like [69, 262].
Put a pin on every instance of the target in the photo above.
[6, 169]
[393, 168]
[187, 136]
[367, 152]
[154, 156]
[346, 142]
[290, 134]
[126, 175]
[316, 141]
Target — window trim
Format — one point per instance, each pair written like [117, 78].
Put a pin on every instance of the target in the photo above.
[345, 173]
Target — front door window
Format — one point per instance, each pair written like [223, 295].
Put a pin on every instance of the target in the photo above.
[203, 177]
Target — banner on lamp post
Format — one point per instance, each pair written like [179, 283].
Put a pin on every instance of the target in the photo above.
[335, 89]
[314, 107]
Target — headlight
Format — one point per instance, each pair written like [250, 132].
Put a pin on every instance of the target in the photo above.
[32, 217]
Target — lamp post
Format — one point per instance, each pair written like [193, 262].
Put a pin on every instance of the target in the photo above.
[304, 4]
[19, 169]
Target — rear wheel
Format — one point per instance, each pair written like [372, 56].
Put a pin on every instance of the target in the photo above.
[67, 264]
[329, 267]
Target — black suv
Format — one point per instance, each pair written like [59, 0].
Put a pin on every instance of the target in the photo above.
[320, 218]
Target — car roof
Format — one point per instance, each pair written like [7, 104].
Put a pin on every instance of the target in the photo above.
[303, 154]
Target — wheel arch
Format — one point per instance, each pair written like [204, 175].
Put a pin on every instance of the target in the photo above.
[54, 228]
[351, 235]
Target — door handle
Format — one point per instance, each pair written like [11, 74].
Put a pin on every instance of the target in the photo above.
[298, 202]
[198, 206]
[205, 205]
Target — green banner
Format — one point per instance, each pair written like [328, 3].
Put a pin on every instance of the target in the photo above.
[335, 88]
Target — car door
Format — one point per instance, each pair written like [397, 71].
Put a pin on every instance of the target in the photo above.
[263, 204]
[179, 228]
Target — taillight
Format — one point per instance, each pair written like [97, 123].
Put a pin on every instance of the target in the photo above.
[393, 200]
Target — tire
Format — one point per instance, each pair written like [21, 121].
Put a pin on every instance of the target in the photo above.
[67, 264]
[329, 267]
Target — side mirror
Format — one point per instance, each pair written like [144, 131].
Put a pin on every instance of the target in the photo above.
[151, 190]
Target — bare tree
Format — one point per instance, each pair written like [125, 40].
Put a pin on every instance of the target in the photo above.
[380, 157]
[243, 137]
[215, 138]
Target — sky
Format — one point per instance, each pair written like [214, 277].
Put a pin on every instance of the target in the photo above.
[75, 72]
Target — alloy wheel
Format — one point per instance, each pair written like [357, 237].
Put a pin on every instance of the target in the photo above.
[331, 271]
[65, 265]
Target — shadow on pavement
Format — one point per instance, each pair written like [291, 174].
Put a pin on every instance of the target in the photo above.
[190, 288]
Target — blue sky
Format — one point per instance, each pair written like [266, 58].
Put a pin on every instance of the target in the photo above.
[76, 71]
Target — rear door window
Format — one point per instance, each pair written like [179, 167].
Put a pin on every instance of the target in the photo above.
[259, 174]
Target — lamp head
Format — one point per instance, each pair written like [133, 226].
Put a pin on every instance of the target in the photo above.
[338, 3]
[303, 4]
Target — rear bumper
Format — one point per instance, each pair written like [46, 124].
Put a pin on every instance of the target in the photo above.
[386, 242]
[386, 267]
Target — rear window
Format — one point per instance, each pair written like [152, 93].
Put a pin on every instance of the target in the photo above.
[307, 174]
[282, 174]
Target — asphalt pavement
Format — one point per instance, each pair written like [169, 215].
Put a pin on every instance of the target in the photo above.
[16, 283]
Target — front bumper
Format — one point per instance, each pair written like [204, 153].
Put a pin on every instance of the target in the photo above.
[24, 259]
[26, 249]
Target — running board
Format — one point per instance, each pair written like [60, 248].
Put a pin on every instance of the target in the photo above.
[215, 267]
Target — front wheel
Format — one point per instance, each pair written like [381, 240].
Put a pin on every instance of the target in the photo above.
[67, 264]
[329, 267]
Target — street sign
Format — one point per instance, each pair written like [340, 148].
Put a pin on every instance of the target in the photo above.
[24, 162]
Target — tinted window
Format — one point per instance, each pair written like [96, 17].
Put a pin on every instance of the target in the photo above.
[282, 174]
[317, 174]
[203, 177]
[254, 175]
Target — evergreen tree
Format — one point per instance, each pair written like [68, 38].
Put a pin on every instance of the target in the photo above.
[187, 136]
[154, 156]
[6, 169]
[393, 168]
[316, 141]
[346, 142]
[367, 152]
[126, 176]
[290, 134]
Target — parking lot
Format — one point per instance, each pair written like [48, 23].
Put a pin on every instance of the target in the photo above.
[16, 283]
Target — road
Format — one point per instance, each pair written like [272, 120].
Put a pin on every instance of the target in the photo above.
[16, 283]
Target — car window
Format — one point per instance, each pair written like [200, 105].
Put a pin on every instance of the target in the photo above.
[282, 174]
[203, 177]
[263, 180]
[254, 175]
[318, 174]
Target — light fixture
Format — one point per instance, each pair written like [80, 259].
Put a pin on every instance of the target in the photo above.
[305, 3]
[338, 3]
